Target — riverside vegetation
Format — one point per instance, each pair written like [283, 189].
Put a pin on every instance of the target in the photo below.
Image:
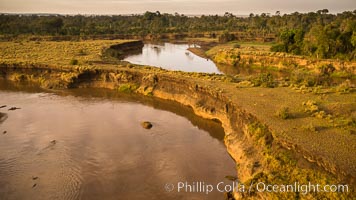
[316, 117]
[299, 127]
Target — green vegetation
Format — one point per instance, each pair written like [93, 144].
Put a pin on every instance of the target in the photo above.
[318, 34]
[128, 88]
[74, 62]
[310, 127]
[344, 87]
[264, 80]
[329, 38]
[311, 106]
[325, 116]
[260, 134]
[283, 168]
[302, 77]
[280, 166]
[283, 113]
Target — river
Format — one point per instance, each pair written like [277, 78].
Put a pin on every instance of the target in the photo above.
[89, 144]
[176, 56]
[172, 57]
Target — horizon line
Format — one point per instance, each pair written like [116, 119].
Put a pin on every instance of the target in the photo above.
[141, 13]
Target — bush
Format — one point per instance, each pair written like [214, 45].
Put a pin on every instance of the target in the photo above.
[74, 62]
[226, 37]
[326, 69]
[321, 115]
[284, 113]
[264, 80]
[344, 87]
[310, 127]
[311, 106]
[303, 77]
[278, 48]
[128, 88]
[237, 46]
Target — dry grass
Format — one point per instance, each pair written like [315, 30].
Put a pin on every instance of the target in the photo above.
[244, 47]
[49, 52]
[334, 141]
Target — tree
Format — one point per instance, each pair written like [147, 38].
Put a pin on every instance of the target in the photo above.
[353, 39]
[53, 25]
[318, 34]
[325, 11]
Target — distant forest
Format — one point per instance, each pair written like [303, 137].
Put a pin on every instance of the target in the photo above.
[317, 34]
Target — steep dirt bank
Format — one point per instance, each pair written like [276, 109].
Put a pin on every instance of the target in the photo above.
[127, 46]
[121, 50]
[252, 55]
[205, 100]
[198, 51]
[254, 138]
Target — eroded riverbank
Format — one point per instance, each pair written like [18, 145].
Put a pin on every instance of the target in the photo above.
[255, 138]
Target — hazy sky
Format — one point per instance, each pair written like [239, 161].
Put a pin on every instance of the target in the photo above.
[239, 7]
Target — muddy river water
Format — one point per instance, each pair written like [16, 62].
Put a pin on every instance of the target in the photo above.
[173, 57]
[89, 144]
[177, 57]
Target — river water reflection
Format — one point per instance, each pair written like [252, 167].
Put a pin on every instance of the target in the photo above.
[88, 144]
[173, 57]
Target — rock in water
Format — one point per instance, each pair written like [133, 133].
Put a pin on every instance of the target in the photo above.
[146, 125]
[14, 108]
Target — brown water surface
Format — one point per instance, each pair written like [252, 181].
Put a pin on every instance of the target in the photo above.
[100, 150]
[172, 57]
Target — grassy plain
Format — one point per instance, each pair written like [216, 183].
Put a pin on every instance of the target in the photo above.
[320, 120]
[55, 53]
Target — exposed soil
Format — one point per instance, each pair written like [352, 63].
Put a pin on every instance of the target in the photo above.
[265, 147]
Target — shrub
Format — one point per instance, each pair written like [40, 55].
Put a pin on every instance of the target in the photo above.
[237, 46]
[74, 62]
[302, 77]
[127, 88]
[226, 37]
[264, 80]
[326, 69]
[278, 48]
[260, 134]
[321, 115]
[344, 87]
[283, 113]
[310, 127]
[311, 106]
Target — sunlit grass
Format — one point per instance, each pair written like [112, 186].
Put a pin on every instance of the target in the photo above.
[50, 52]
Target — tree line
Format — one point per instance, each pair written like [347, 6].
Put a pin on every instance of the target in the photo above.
[329, 36]
[318, 34]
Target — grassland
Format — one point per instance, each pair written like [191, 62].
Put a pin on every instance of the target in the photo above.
[55, 53]
[89, 53]
[318, 122]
